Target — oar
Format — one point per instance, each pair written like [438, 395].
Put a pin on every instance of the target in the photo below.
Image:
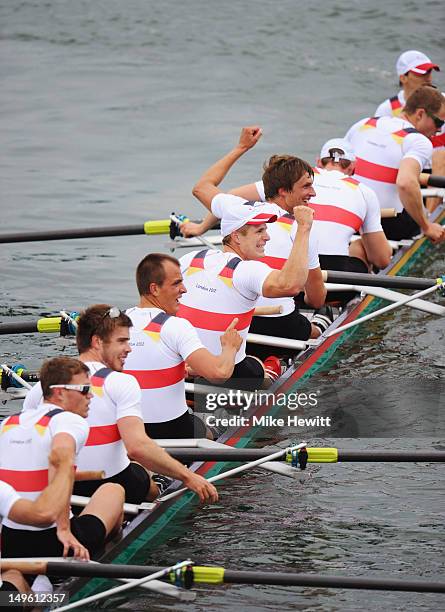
[388, 308]
[147, 577]
[150, 228]
[434, 180]
[238, 470]
[380, 280]
[220, 575]
[315, 455]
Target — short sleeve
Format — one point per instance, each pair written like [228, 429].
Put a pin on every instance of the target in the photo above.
[72, 424]
[180, 336]
[372, 221]
[260, 188]
[249, 277]
[124, 391]
[418, 147]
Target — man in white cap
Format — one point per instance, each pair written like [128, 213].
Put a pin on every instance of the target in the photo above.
[415, 69]
[228, 284]
[343, 206]
[390, 155]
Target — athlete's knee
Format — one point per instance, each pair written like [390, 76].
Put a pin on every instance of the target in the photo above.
[17, 579]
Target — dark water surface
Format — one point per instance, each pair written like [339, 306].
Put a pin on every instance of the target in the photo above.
[109, 113]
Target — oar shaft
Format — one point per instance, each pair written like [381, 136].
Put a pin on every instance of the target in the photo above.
[315, 455]
[214, 575]
[149, 227]
[378, 280]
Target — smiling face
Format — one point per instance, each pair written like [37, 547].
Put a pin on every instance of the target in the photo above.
[302, 191]
[250, 240]
[114, 350]
[424, 121]
[166, 295]
[72, 400]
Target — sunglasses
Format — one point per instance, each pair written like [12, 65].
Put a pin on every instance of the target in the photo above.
[112, 312]
[83, 389]
[437, 121]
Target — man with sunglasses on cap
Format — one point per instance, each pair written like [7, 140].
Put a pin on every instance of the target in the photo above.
[117, 441]
[223, 285]
[415, 69]
[26, 440]
[390, 155]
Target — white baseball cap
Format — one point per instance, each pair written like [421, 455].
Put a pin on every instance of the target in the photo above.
[414, 61]
[337, 143]
[237, 215]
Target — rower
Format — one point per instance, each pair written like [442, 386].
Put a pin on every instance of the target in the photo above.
[26, 439]
[223, 285]
[161, 344]
[289, 183]
[390, 154]
[38, 512]
[118, 443]
[415, 69]
[342, 206]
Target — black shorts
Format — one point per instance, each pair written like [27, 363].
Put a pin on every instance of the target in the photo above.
[293, 325]
[8, 587]
[185, 426]
[248, 374]
[400, 227]
[343, 263]
[88, 529]
[135, 480]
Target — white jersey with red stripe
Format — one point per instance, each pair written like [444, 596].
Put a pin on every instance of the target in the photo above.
[25, 443]
[380, 144]
[116, 395]
[220, 286]
[160, 344]
[282, 235]
[392, 107]
[342, 206]
[8, 497]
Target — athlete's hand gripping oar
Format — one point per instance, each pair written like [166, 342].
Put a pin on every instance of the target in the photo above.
[238, 470]
[220, 575]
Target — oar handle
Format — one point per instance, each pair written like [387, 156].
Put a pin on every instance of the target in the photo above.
[433, 180]
[89, 475]
[387, 213]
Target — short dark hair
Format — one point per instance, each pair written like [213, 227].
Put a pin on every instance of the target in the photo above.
[151, 270]
[283, 171]
[95, 321]
[59, 371]
[425, 97]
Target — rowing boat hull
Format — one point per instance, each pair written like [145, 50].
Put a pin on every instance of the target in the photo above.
[150, 527]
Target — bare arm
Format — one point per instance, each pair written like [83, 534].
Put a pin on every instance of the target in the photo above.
[46, 508]
[65, 442]
[411, 198]
[250, 192]
[378, 250]
[145, 451]
[207, 186]
[292, 277]
[314, 289]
